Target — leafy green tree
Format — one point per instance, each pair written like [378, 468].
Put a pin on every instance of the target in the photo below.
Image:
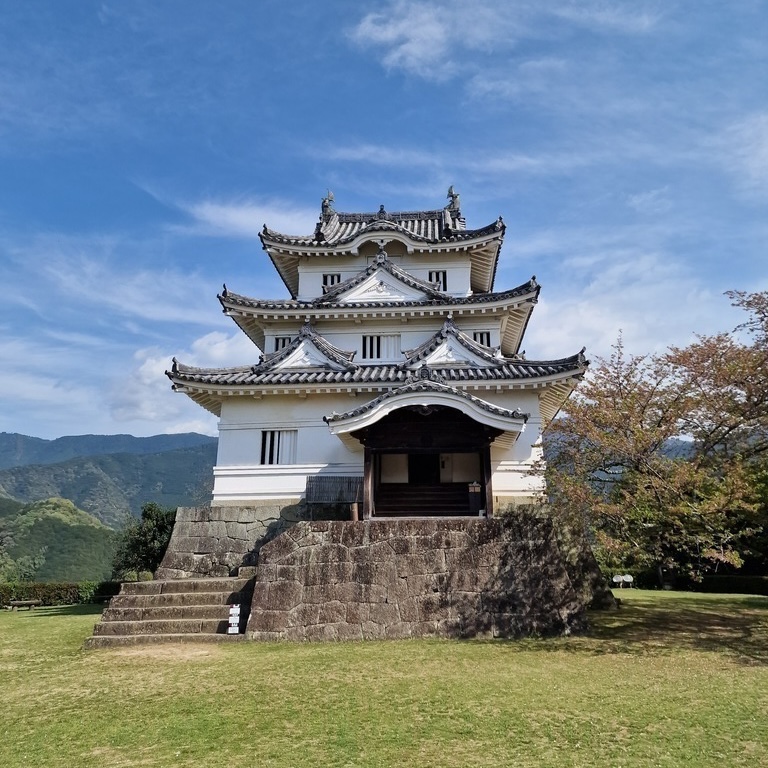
[687, 510]
[21, 568]
[143, 542]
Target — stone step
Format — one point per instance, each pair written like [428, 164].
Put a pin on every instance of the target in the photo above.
[122, 641]
[444, 500]
[408, 513]
[156, 612]
[162, 627]
[178, 599]
[173, 586]
[163, 611]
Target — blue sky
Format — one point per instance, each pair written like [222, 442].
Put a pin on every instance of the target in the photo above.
[143, 145]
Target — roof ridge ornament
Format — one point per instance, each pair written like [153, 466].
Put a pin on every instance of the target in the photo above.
[455, 205]
[327, 204]
[382, 257]
[307, 331]
[424, 373]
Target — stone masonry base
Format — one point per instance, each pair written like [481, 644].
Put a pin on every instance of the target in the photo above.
[218, 541]
[460, 577]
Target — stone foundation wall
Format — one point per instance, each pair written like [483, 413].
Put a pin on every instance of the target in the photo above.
[217, 541]
[335, 580]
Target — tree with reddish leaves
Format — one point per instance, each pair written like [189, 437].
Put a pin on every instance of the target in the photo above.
[664, 455]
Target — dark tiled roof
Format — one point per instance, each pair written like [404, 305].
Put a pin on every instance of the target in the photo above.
[336, 229]
[230, 299]
[343, 233]
[426, 384]
[264, 374]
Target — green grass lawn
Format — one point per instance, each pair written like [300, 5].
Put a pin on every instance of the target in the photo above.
[671, 679]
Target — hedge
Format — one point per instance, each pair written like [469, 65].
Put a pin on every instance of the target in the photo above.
[58, 593]
[734, 584]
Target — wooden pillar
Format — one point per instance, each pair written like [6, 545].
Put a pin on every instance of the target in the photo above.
[367, 484]
[485, 460]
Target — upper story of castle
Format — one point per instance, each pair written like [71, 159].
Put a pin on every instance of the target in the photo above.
[433, 247]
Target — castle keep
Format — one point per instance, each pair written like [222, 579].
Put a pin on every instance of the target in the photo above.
[387, 417]
[393, 368]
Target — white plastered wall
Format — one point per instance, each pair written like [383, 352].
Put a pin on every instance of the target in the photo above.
[239, 478]
[512, 474]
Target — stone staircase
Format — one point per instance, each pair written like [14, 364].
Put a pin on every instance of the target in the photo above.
[173, 611]
[406, 500]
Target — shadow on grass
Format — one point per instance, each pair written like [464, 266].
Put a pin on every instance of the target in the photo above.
[45, 611]
[736, 626]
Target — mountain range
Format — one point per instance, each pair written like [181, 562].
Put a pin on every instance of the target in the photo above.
[108, 476]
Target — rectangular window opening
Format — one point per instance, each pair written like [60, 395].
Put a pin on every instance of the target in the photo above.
[330, 279]
[381, 347]
[278, 446]
[281, 342]
[482, 337]
[440, 277]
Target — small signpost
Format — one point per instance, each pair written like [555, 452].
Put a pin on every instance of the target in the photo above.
[234, 620]
[474, 498]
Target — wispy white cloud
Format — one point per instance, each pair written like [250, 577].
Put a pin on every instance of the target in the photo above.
[109, 273]
[625, 279]
[246, 218]
[465, 161]
[637, 18]
[431, 40]
[742, 147]
[148, 400]
[652, 201]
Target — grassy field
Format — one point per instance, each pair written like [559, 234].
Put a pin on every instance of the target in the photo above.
[671, 679]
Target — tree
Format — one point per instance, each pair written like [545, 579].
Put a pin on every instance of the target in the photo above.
[21, 568]
[661, 452]
[143, 542]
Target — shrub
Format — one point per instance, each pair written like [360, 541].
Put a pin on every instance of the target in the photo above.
[735, 584]
[58, 593]
[143, 542]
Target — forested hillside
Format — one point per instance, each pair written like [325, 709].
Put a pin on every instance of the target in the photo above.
[113, 485]
[52, 540]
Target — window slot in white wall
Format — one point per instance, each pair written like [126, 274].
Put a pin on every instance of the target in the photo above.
[278, 446]
[281, 342]
[381, 347]
[439, 276]
[331, 279]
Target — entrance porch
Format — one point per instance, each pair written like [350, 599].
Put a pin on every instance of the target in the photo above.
[427, 448]
[427, 461]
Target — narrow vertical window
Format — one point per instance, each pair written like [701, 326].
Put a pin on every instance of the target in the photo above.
[371, 347]
[440, 277]
[281, 342]
[482, 337]
[381, 346]
[330, 279]
[278, 446]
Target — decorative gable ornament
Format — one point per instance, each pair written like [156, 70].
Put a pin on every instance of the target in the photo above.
[382, 286]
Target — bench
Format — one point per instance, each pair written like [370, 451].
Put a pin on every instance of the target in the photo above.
[14, 605]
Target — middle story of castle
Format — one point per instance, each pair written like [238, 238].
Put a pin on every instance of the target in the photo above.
[393, 375]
